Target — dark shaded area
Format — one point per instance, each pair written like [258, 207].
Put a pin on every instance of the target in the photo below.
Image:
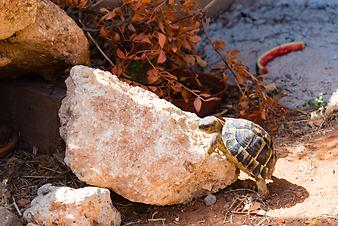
[30, 106]
[285, 194]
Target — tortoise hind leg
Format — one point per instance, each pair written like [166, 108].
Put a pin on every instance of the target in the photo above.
[262, 188]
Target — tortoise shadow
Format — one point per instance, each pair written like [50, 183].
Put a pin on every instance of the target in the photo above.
[284, 194]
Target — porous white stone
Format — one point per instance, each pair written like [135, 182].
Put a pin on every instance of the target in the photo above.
[142, 147]
[67, 206]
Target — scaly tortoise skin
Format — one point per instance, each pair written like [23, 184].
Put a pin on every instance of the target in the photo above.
[245, 144]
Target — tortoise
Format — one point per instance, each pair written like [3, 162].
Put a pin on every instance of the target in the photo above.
[245, 144]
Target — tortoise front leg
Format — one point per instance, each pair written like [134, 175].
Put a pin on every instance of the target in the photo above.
[262, 188]
[216, 141]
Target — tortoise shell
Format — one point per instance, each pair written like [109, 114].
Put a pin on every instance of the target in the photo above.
[250, 147]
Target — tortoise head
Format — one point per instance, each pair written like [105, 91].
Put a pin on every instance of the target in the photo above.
[211, 124]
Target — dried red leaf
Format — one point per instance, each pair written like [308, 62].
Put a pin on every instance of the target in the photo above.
[161, 40]
[142, 37]
[174, 49]
[198, 104]
[177, 87]
[186, 44]
[189, 59]
[117, 70]
[161, 26]
[201, 62]
[186, 95]
[195, 39]
[161, 57]
[153, 76]
[120, 54]
[218, 44]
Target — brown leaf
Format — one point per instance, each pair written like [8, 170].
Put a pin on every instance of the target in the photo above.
[142, 37]
[177, 87]
[103, 32]
[233, 53]
[218, 67]
[160, 25]
[263, 114]
[174, 49]
[195, 39]
[244, 102]
[218, 44]
[189, 59]
[153, 76]
[161, 58]
[110, 15]
[146, 1]
[186, 44]
[138, 17]
[161, 40]
[116, 37]
[198, 104]
[120, 54]
[200, 61]
[23, 202]
[131, 28]
[117, 70]
[185, 95]
[174, 26]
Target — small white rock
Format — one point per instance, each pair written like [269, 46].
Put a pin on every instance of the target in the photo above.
[210, 200]
[67, 206]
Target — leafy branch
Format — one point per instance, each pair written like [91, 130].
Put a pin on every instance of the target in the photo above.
[152, 44]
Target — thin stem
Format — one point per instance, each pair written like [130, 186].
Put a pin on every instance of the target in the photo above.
[205, 29]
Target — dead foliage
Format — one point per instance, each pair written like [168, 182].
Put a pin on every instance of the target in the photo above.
[23, 173]
[152, 44]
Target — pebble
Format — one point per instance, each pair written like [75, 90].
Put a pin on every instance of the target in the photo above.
[210, 200]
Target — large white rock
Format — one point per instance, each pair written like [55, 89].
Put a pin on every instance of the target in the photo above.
[67, 206]
[142, 147]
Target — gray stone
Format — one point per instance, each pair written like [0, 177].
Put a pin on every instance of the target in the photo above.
[7, 218]
[210, 200]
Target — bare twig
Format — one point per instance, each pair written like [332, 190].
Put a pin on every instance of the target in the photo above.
[16, 206]
[39, 177]
[104, 55]
[207, 6]
[132, 222]
[205, 24]
[99, 48]
[156, 219]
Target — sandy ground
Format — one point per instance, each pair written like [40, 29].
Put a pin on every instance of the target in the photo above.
[310, 162]
[254, 27]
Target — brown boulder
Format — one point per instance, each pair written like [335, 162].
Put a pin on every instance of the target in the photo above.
[38, 37]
